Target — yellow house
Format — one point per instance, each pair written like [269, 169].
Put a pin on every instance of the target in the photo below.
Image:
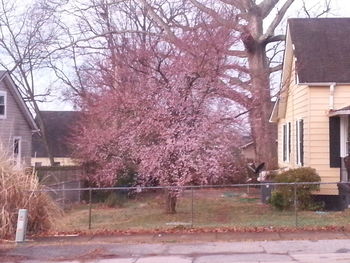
[313, 108]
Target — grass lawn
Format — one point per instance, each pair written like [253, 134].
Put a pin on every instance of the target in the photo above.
[212, 208]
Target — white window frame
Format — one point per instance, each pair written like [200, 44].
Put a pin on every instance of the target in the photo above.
[4, 93]
[344, 126]
[17, 159]
[298, 140]
[286, 142]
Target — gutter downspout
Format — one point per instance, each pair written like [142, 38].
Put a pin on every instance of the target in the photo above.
[331, 96]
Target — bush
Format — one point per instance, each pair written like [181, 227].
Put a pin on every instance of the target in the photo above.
[16, 192]
[283, 197]
[278, 200]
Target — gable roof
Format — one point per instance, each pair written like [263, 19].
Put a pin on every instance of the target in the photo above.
[322, 50]
[59, 125]
[6, 77]
[322, 53]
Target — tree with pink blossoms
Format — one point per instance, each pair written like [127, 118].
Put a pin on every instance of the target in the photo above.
[162, 115]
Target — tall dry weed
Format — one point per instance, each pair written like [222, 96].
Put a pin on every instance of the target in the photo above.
[20, 189]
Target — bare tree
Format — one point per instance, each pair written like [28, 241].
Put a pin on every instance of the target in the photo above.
[102, 26]
[25, 34]
[96, 31]
[256, 23]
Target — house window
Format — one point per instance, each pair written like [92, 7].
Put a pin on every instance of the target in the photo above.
[299, 140]
[2, 104]
[286, 141]
[17, 150]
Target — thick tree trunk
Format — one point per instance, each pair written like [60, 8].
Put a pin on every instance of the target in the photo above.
[264, 135]
[171, 199]
[264, 132]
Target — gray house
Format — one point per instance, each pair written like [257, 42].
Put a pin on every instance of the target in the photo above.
[16, 123]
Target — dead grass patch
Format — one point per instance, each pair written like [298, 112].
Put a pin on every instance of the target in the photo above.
[212, 209]
[20, 190]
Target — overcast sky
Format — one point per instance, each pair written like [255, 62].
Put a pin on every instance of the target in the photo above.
[340, 8]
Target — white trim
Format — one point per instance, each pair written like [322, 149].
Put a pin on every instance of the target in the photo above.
[298, 142]
[18, 98]
[322, 84]
[344, 124]
[339, 112]
[286, 142]
[273, 116]
[18, 158]
[4, 93]
[331, 96]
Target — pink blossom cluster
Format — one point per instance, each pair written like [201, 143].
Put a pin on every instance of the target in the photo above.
[162, 115]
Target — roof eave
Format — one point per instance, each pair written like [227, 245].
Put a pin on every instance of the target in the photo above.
[338, 113]
[274, 113]
[20, 101]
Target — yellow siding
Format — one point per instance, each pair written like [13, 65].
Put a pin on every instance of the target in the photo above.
[296, 109]
[319, 132]
[312, 105]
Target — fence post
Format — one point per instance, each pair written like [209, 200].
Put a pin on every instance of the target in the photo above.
[90, 208]
[79, 193]
[192, 207]
[63, 194]
[295, 204]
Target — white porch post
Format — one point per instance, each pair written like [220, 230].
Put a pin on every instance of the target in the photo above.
[344, 151]
[344, 124]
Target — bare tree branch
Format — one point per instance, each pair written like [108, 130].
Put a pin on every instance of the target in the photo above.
[276, 21]
[266, 7]
[276, 38]
[237, 53]
[276, 68]
[159, 20]
[215, 15]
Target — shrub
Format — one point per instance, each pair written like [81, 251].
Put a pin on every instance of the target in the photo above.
[278, 200]
[283, 196]
[16, 192]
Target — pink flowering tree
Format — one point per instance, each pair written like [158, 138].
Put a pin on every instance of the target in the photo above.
[162, 115]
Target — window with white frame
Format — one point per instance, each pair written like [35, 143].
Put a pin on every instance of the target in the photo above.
[2, 104]
[286, 132]
[299, 142]
[17, 150]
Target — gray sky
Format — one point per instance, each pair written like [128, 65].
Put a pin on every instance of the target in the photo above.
[340, 8]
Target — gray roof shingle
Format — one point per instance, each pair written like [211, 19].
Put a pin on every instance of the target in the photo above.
[322, 49]
[59, 126]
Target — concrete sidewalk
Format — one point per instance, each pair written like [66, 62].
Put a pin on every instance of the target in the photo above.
[185, 248]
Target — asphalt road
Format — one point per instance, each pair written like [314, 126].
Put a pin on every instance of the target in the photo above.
[106, 251]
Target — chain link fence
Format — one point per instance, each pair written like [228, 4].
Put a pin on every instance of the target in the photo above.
[211, 206]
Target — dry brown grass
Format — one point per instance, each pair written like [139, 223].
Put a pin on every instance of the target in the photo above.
[19, 190]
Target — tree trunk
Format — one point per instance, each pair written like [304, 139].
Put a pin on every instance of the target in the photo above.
[264, 135]
[263, 132]
[171, 199]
